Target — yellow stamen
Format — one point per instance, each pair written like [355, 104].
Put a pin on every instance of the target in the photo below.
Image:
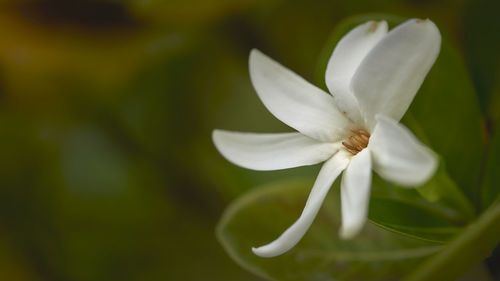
[358, 141]
[360, 132]
[348, 146]
[365, 138]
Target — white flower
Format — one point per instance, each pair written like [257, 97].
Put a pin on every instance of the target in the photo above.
[373, 76]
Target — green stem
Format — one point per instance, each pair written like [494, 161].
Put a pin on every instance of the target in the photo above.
[474, 245]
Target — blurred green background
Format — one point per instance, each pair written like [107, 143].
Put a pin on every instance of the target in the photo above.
[107, 169]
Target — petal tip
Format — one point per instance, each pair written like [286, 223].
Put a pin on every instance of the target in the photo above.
[431, 170]
[373, 26]
[216, 134]
[261, 252]
[426, 23]
[383, 24]
[255, 53]
[255, 251]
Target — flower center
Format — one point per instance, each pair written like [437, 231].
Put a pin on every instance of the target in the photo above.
[358, 141]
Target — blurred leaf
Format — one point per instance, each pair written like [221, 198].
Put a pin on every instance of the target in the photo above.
[447, 127]
[467, 250]
[13, 265]
[264, 213]
[494, 105]
[490, 190]
[481, 44]
[186, 12]
[480, 272]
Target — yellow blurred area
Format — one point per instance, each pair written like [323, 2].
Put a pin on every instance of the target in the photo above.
[12, 265]
[36, 59]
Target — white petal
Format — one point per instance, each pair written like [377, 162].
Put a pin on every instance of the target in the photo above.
[271, 151]
[391, 74]
[355, 194]
[346, 57]
[295, 101]
[329, 172]
[398, 156]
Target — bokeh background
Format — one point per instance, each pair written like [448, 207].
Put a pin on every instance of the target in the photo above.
[107, 169]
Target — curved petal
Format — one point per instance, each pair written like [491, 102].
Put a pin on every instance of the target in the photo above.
[295, 101]
[398, 156]
[271, 151]
[355, 194]
[345, 59]
[391, 74]
[329, 172]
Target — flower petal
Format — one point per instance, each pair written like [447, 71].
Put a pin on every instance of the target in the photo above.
[271, 151]
[355, 194]
[329, 172]
[391, 74]
[346, 58]
[295, 101]
[398, 156]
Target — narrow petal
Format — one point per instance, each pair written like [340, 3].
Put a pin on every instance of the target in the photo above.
[329, 172]
[398, 156]
[295, 101]
[355, 194]
[346, 58]
[391, 74]
[271, 151]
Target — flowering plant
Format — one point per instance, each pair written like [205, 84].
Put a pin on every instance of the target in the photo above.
[373, 76]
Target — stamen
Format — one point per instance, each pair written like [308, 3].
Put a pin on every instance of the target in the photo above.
[363, 141]
[348, 146]
[354, 152]
[365, 138]
[361, 132]
[358, 141]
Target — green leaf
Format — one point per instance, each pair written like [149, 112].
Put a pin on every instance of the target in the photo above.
[474, 245]
[411, 219]
[406, 212]
[491, 182]
[264, 213]
[445, 112]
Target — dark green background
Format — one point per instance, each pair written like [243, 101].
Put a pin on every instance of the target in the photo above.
[107, 170]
